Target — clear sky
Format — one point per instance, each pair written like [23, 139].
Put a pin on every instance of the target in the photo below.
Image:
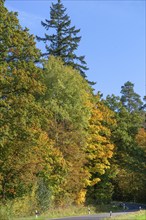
[113, 38]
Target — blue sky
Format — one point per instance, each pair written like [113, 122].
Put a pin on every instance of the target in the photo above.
[113, 38]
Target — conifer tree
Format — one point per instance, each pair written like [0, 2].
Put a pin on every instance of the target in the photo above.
[129, 98]
[129, 157]
[64, 40]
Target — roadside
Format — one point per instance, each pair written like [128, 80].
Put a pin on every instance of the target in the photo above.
[92, 213]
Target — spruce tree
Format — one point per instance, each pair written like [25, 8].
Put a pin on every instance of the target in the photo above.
[64, 40]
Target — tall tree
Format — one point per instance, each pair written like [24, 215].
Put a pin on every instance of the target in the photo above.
[64, 40]
[67, 97]
[128, 157]
[25, 150]
[130, 99]
[99, 151]
[18, 87]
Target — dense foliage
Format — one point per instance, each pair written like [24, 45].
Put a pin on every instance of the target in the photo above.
[60, 144]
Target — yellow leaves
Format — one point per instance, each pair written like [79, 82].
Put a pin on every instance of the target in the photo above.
[80, 197]
[141, 138]
[100, 166]
[100, 148]
[95, 181]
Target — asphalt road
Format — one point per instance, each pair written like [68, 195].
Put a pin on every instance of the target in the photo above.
[91, 217]
[129, 209]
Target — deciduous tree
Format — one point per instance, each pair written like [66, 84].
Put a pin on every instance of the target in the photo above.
[67, 97]
[100, 150]
[22, 154]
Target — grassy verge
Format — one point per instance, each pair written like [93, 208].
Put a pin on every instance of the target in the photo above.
[140, 215]
[71, 211]
[61, 212]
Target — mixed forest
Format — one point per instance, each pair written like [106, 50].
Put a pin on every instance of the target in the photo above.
[60, 143]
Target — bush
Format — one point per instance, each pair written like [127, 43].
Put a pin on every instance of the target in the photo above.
[4, 213]
[24, 206]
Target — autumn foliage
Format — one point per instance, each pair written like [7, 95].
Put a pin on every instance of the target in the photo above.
[61, 144]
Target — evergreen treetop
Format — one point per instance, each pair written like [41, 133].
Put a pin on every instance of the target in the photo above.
[130, 99]
[63, 42]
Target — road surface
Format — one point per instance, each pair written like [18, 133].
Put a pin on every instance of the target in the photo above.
[90, 217]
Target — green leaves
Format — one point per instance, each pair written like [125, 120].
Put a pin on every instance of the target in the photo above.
[54, 132]
[128, 156]
[67, 98]
[67, 93]
[20, 113]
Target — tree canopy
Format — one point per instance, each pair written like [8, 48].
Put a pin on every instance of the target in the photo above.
[61, 144]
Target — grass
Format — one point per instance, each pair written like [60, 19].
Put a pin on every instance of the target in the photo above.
[83, 210]
[61, 212]
[135, 216]
[71, 211]
[140, 215]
